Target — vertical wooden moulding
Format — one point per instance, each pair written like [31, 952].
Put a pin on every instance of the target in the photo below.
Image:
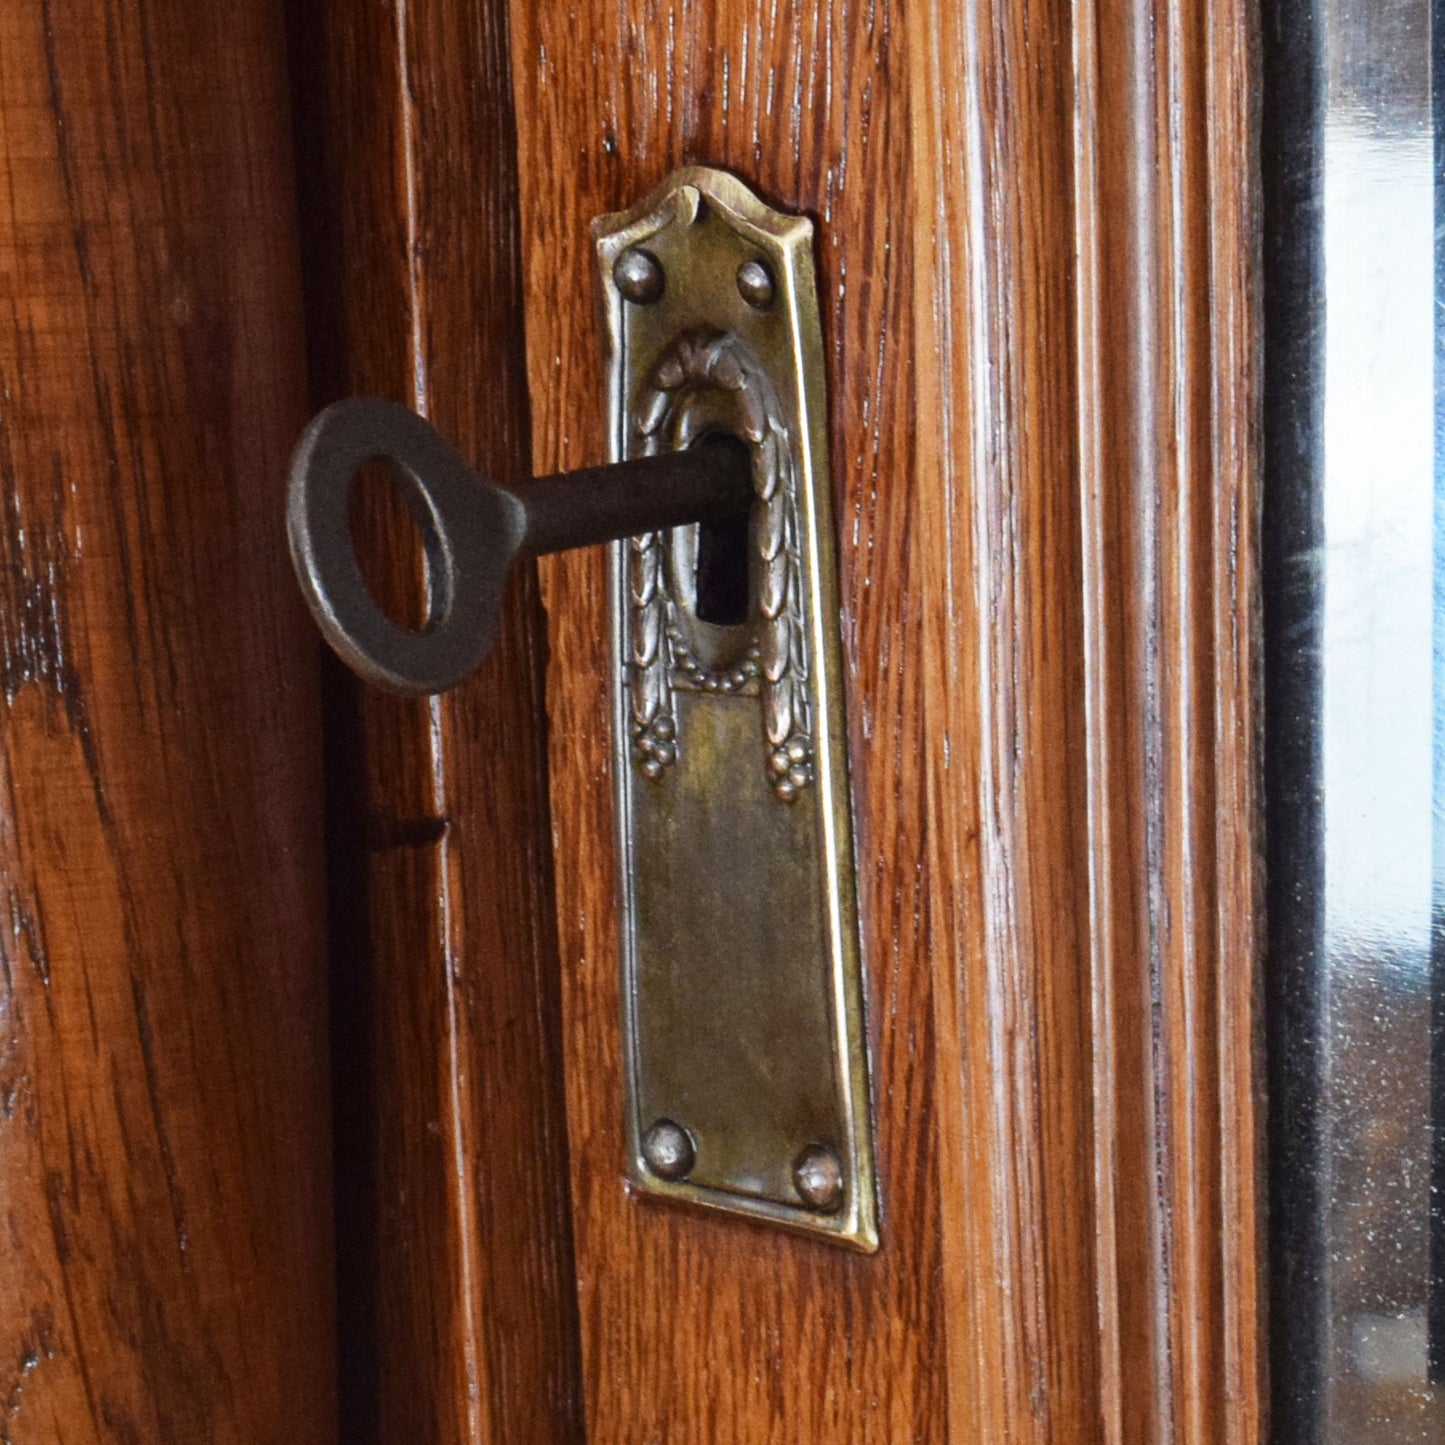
[1005, 717]
[1167, 238]
[1232, 165]
[165, 1187]
[458, 1315]
[1088, 313]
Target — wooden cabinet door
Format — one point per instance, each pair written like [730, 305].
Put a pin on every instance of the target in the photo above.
[165, 1180]
[1035, 240]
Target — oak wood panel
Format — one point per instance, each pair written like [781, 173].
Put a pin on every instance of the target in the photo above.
[707, 1329]
[165, 1188]
[1036, 250]
[458, 1314]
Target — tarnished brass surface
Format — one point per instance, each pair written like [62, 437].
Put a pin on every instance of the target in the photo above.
[746, 1064]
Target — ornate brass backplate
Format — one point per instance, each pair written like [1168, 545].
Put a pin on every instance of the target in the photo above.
[743, 1005]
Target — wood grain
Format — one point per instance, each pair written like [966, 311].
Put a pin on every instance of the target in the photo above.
[1003, 730]
[1167, 236]
[1088, 300]
[458, 1313]
[706, 1329]
[165, 1189]
[1037, 256]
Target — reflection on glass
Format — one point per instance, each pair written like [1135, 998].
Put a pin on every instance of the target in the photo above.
[1377, 725]
[1356, 696]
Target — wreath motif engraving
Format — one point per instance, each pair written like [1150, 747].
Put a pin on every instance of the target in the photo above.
[774, 665]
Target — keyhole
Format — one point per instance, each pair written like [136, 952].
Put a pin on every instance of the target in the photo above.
[723, 552]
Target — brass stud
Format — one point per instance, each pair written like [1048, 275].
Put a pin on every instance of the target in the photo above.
[755, 283]
[638, 275]
[818, 1177]
[668, 1150]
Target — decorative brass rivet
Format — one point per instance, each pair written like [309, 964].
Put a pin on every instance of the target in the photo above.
[755, 282]
[669, 1150]
[638, 275]
[819, 1178]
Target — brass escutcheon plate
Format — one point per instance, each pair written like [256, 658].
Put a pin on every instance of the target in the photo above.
[743, 1023]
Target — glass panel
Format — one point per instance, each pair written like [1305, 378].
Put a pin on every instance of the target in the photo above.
[1355, 697]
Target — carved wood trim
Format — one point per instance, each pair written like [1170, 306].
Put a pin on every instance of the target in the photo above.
[1089, 295]
[1167, 237]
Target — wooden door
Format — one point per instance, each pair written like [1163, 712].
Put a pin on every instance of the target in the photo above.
[1036, 256]
[165, 1189]
[1036, 248]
